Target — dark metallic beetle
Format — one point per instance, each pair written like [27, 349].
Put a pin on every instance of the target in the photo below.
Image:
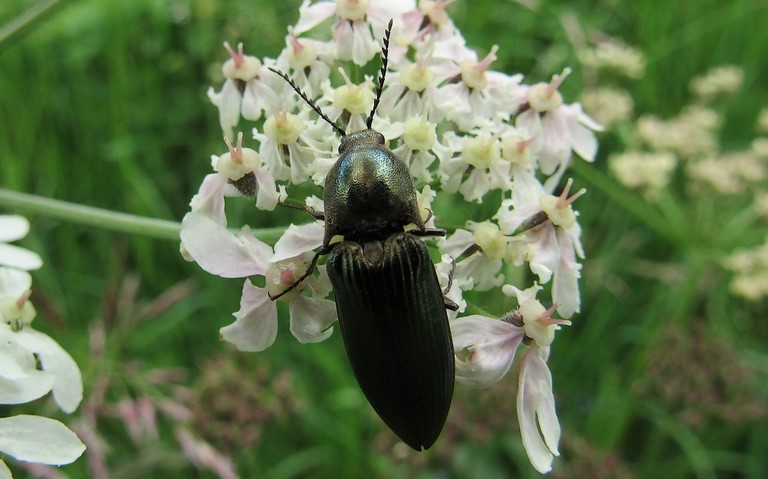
[392, 312]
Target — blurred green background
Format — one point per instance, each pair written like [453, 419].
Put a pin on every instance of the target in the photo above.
[662, 374]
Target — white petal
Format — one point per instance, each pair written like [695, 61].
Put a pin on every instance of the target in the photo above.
[14, 283]
[39, 439]
[455, 244]
[15, 361]
[255, 328]
[13, 227]
[221, 252]
[583, 141]
[312, 15]
[68, 388]
[267, 195]
[536, 411]
[228, 101]
[546, 256]
[565, 286]
[485, 348]
[298, 240]
[209, 200]
[311, 319]
[20, 258]
[5, 473]
[25, 389]
[522, 295]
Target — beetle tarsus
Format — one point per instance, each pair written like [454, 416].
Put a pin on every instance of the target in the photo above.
[318, 215]
[304, 275]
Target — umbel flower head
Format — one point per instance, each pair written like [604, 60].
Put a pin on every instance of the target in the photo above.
[469, 135]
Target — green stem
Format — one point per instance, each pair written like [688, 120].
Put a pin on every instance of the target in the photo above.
[108, 219]
[90, 216]
[19, 26]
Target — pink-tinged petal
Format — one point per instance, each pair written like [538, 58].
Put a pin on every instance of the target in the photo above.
[539, 427]
[364, 47]
[221, 252]
[68, 388]
[14, 283]
[585, 119]
[583, 139]
[39, 439]
[529, 121]
[267, 195]
[556, 147]
[522, 295]
[485, 348]
[255, 327]
[298, 240]
[311, 16]
[565, 287]
[311, 319]
[546, 256]
[479, 273]
[228, 102]
[209, 200]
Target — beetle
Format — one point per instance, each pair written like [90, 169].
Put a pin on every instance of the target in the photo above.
[391, 310]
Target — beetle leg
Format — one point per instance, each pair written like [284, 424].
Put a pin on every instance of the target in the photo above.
[450, 278]
[318, 215]
[450, 304]
[324, 250]
[428, 232]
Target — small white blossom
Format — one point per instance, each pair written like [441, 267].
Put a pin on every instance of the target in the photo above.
[245, 92]
[719, 81]
[32, 364]
[614, 55]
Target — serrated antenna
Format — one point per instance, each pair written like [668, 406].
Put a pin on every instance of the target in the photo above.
[382, 73]
[311, 103]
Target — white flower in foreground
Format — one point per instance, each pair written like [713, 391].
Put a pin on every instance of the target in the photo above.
[246, 92]
[32, 364]
[17, 337]
[37, 439]
[12, 228]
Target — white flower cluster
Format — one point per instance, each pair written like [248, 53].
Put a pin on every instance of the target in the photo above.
[32, 364]
[463, 129]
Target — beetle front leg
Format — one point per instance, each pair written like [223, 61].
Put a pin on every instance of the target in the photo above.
[312, 265]
[318, 215]
[428, 232]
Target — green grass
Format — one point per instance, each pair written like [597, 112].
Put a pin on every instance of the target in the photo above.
[104, 104]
